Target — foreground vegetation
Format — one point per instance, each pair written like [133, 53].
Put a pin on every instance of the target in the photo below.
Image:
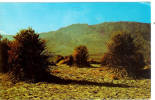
[88, 83]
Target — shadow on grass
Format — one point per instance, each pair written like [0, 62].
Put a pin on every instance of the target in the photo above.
[58, 80]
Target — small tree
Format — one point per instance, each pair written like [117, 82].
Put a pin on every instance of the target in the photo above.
[4, 55]
[124, 51]
[80, 56]
[26, 57]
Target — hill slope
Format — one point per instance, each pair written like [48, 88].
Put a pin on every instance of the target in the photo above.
[64, 40]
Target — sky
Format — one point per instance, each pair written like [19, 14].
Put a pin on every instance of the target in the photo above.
[45, 17]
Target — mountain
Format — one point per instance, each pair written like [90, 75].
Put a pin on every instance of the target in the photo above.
[95, 37]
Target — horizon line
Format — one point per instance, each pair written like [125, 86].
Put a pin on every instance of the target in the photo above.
[4, 33]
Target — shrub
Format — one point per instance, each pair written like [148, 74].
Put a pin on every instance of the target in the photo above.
[70, 60]
[110, 60]
[80, 56]
[124, 51]
[145, 47]
[4, 55]
[26, 57]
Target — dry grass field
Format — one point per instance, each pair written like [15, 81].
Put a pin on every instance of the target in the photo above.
[85, 83]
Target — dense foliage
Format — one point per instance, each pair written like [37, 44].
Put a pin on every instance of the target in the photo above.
[124, 51]
[26, 56]
[4, 55]
[80, 56]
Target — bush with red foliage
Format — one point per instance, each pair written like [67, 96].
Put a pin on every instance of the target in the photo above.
[80, 56]
[26, 56]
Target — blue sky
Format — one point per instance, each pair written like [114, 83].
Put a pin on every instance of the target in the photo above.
[44, 17]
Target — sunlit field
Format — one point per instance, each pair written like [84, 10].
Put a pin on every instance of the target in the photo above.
[87, 83]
